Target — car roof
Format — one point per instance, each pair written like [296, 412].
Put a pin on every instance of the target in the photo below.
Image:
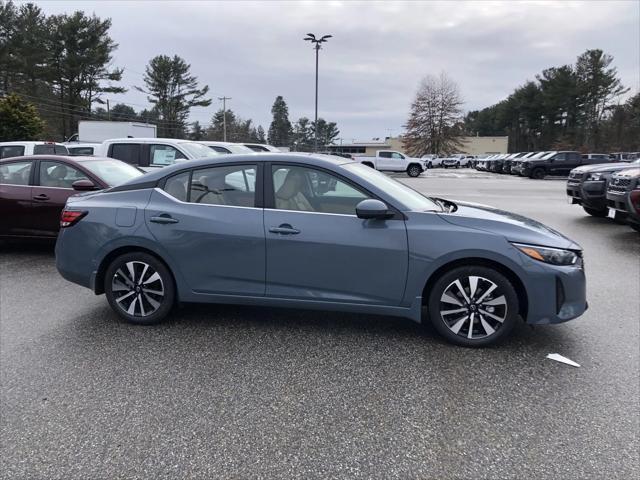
[51, 157]
[39, 142]
[311, 159]
[149, 139]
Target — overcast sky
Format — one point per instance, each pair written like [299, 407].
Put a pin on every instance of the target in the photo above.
[370, 70]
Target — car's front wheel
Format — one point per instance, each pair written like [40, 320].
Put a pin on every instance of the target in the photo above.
[414, 170]
[473, 306]
[140, 288]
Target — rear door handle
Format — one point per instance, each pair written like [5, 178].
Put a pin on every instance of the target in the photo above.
[163, 219]
[285, 229]
[42, 196]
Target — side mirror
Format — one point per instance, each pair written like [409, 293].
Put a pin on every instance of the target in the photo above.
[372, 209]
[83, 185]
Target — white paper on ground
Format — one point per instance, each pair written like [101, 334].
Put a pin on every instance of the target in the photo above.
[559, 358]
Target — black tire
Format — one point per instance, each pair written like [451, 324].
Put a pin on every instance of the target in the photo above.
[446, 324]
[414, 170]
[538, 173]
[429, 165]
[368, 164]
[118, 278]
[595, 212]
[635, 226]
[458, 165]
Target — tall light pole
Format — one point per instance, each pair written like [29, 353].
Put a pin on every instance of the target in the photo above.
[317, 45]
[224, 116]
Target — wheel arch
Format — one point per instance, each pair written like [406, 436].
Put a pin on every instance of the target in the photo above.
[521, 292]
[113, 254]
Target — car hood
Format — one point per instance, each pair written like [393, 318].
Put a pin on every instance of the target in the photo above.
[601, 167]
[513, 227]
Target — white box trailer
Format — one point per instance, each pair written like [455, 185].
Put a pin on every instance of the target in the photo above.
[91, 131]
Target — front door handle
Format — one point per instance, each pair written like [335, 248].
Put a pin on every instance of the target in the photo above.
[284, 229]
[42, 196]
[163, 219]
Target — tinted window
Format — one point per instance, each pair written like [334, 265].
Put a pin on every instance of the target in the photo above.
[127, 152]
[309, 190]
[15, 173]
[81, 151]
[59, 175]
[560, 157]
[573, 156]
[224, 185]
[50, 149]
[385, 155]
[396, 155]
[164, 155]
[11, 151]
[177, 186]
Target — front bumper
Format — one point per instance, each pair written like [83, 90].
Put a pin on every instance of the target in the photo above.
[590, 193]
[556, 294]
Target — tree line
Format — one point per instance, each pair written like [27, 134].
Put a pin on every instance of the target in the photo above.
[56, 70]
[572, 107]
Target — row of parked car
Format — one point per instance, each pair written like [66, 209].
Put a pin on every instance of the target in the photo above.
[37, 178]
[538, 165]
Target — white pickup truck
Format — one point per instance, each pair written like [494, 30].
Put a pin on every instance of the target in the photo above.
[392, 161]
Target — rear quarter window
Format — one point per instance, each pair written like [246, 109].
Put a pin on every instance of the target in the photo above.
[127, 152]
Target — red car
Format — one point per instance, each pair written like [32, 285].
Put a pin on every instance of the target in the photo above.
[34, 189]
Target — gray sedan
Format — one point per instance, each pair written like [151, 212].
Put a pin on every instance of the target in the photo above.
[320, 232]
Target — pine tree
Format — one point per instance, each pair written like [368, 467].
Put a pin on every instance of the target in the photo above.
[280, 130]
[173, 91]
[19, 120]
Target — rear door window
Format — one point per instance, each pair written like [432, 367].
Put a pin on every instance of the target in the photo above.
[81, 151]
[11, 151]
[127, 152]
[16, 173]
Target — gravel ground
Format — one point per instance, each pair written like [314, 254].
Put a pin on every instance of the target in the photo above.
[223, 391]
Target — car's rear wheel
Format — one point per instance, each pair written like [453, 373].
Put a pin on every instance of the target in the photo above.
[473, 306]
[414, 170]
[139, 288]
[538, 173]
[595, 212]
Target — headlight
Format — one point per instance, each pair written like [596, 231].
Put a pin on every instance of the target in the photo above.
[554, 256]
[594, 176]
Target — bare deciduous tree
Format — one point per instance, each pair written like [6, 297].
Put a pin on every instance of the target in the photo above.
[434, 120]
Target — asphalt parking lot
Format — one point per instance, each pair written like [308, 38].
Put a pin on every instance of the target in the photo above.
[239, 392]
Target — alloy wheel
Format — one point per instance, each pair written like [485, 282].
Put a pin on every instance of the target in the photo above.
[473, 307]
[138, 288]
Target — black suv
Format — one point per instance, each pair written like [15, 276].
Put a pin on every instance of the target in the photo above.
[623, 196]
[587, 186]
[553, 163]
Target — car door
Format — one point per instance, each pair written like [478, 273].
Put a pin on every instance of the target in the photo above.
[53, 185]
[210, 223]
[15, 198]
[318, 249]
[574, 159]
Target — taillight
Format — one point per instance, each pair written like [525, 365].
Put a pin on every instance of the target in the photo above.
[70, 217]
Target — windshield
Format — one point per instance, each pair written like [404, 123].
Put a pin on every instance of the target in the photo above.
[197, 150]
[413, 200]
[112, 172]
[548, 155]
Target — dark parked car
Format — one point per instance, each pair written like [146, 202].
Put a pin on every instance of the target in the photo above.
[313, 231]
[587, 186]
[623, 196]
[34, 189]
[555, 163]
